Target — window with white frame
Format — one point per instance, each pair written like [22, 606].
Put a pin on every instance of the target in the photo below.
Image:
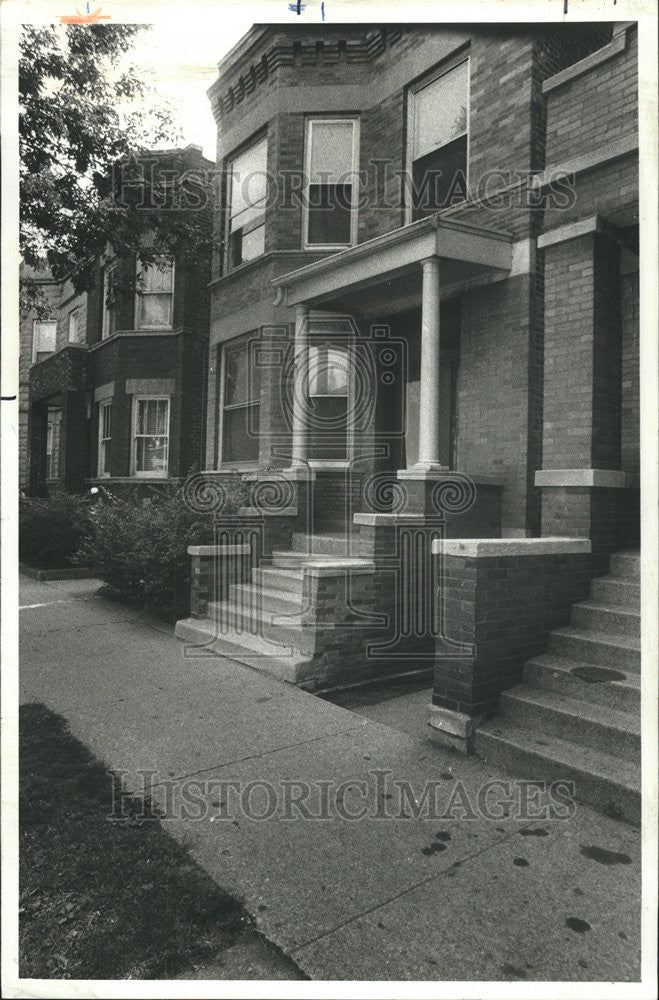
[150, 444]
[53, 429]
[44, 338]
[74, 333]
[241, 401]
[247, 190]
[104, 437]
[329, 384]
[331, 172]
[155, 295]
[110, 275]
[438, 135]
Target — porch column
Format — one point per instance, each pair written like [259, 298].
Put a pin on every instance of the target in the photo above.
[429, 381]
[300, 430]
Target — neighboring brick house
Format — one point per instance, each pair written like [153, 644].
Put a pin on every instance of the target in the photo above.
[116, 390]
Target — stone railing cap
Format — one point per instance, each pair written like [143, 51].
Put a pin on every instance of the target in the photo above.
[219, 550]
[479, 548]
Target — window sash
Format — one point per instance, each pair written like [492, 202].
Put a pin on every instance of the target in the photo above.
[247, 192]
[44, 337]
[430, 128]
[73, 326]
[330, 185]
[104, 438]
[150, 438]
[157, 289]
[109, 311]
[240, 405]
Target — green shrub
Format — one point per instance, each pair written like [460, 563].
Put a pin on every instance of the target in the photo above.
[51, 529]
[139, 546]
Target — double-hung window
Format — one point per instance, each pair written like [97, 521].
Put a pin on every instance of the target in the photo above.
[155, 295]
[247, 190]
[44, 338]
[241, 392]
[53, 429]
[331, 173]
[104, 437]
[150, 444]
[438, 132]
[73, 331]
[329, 382]
[110, 275]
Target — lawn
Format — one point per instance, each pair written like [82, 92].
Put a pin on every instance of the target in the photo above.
[103, 898]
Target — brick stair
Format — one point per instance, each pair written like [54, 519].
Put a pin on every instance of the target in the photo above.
[576, 713]
[265, 623]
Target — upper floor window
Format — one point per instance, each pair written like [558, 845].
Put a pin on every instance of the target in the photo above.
[247, 195]
[44, 338]
[109, 300]
[241, 392]
[155, 295]
[74, 331]
[438, 127]
[331, 170]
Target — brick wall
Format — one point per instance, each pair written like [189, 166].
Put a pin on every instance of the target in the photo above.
[505, 607]
[629, 285]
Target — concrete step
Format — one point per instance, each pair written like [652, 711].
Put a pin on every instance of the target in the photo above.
[321, 544]
[601, 618]
[590, 682]
[616, 591]
[288, 581]
[621, 652]
[287, 630]
[297, 560]
[266, 598]
[597, 726]
[269, 657]
[627, 564]
[601, 780]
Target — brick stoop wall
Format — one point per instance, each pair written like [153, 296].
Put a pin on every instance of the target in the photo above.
[499, 600]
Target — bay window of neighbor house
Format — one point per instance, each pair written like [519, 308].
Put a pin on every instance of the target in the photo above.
[104, 438]
[241, 402]
[150, 438]
[109, 300]
[44, 338]
[438, 133]
[331, 170]
[53, 429]
[155, 295]
[329, 380]
[247, 189]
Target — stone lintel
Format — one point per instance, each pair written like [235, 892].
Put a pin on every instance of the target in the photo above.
[498, 548]
[219, 550]
[613, 478]
[104, 392]
[267, 512]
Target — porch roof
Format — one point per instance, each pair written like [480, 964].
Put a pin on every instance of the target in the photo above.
[468, 255]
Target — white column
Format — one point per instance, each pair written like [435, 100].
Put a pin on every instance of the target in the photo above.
[429, 382]
[299, 444]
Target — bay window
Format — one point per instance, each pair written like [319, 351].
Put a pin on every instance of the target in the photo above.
[241, 392]
[331, 170]
[438, 127]
[150, 438]
[247, 189]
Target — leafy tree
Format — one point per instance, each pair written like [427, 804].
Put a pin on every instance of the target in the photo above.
[87, 180]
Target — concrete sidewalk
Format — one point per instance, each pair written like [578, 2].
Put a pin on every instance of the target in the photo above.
[385, 897]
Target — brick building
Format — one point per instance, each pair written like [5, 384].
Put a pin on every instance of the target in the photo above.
[113, 377]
